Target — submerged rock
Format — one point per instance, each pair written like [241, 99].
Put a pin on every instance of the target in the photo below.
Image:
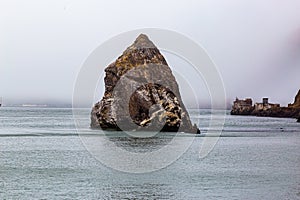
[141, 93]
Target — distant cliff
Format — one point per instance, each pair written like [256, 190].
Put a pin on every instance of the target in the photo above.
[296, 103]
[266, 109]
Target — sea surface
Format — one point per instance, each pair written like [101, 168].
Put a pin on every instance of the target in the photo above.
[43, 157]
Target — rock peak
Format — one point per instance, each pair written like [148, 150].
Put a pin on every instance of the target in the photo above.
[141, 94]
[141, 52]
[142, 36]
[141, 42]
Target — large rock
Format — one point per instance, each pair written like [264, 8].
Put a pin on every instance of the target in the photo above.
[141, 93]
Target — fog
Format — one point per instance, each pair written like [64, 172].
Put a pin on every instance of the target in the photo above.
[254, 44]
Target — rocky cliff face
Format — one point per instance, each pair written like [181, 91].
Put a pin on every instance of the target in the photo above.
[296, 103]
[141, 93]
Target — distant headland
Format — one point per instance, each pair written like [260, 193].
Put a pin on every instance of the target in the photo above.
[266, 109]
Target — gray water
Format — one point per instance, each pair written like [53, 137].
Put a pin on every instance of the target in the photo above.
[42, 157]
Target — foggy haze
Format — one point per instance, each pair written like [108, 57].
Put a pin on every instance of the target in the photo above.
[254, 44]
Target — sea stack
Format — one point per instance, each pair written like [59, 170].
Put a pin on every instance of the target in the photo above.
[141, 93]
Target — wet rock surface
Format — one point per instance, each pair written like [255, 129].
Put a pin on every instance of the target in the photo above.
[141, 93]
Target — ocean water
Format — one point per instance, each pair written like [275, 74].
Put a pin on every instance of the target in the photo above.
[42, 157]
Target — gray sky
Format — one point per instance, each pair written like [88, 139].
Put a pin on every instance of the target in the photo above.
[255, 44]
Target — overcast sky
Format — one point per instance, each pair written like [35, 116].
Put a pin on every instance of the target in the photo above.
[255, 44]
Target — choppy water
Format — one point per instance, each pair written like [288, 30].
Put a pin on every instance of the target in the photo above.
[42, 157]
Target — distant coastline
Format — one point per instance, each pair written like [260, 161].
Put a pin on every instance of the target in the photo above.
[266, 109]
[38, 105]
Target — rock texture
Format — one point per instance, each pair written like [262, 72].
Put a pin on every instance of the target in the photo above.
[141, 93]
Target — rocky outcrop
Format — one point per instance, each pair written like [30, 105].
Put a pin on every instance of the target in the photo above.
[296, 103]
[141, 93]
[285, 112]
